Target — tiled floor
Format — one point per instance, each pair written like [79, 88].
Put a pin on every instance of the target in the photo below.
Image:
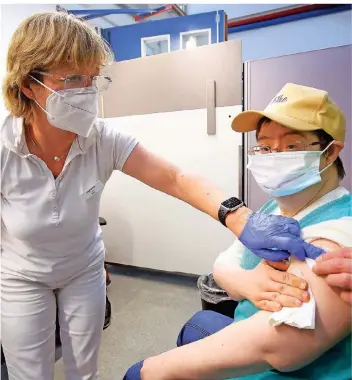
[148, 310]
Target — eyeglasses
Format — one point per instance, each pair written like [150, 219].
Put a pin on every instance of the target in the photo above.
[101, 82]
[296, 146]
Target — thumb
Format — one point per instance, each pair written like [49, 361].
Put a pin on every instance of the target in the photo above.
[271, 254]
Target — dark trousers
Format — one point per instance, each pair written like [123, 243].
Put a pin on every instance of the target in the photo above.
[201, 325]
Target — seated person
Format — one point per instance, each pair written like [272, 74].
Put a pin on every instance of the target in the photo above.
[300, 135]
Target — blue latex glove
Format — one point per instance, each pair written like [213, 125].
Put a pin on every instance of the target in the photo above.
[275, 238]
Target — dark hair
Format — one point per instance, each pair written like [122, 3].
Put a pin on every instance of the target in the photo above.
[322, 136]
[35, 74]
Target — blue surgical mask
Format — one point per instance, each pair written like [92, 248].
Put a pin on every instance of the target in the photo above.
[286, 173]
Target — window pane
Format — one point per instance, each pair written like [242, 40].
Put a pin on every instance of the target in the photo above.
[195, 39]
[156, 47]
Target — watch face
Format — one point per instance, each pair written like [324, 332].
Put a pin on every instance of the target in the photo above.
[232, 202]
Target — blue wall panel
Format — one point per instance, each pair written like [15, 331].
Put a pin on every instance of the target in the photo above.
[126, 40]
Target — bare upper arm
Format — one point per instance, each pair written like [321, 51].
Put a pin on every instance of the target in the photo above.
[253, 345]
[150, 169]
[326, 245]
[333, 321]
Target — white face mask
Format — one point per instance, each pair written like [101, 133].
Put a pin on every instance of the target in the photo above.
[75, 110]
[286, 173]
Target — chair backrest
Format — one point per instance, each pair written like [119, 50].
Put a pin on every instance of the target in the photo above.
[102, 221]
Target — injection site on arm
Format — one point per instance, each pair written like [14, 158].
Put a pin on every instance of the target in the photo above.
[253, 345]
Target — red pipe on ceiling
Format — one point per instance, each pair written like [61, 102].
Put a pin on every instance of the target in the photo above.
[167, 7]
[278, 14]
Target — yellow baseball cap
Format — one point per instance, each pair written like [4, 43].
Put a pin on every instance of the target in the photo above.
[298, 107]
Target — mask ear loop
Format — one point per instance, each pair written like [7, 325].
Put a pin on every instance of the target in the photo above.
[48, 88]
[324, 151]
[42, 108]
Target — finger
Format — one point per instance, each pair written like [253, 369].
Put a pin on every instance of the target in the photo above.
[280, 265]
[342, 253]
[289, 279]
[293, 245]
[342, 280]
[271, 255]
[287, 301]
[290, 291]
[334, 265]
[298, 247]
[267, 305]
[311, 250]
[347, 297]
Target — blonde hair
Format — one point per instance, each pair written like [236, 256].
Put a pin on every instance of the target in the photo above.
[46, 41]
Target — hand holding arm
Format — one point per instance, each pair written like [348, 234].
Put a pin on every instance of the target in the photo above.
[336, 267]
[267, 288]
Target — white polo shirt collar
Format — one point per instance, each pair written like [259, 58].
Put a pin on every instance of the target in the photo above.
[13, 137]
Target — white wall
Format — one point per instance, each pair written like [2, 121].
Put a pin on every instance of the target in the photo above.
[106, 21]
[149, 229]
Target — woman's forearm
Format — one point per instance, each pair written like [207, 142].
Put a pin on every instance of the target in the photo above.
[192, 189]
[232, 279]
[206, 197]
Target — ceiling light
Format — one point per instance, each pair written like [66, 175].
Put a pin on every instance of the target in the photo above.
[191, 43]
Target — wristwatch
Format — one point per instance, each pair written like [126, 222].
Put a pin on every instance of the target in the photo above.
[228, 206]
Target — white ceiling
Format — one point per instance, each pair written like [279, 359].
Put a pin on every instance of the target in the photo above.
[114, 19]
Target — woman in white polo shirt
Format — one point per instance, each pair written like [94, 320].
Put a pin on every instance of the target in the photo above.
[56, 157]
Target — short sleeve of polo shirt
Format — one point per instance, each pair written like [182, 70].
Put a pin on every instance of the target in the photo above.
[116, 143]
